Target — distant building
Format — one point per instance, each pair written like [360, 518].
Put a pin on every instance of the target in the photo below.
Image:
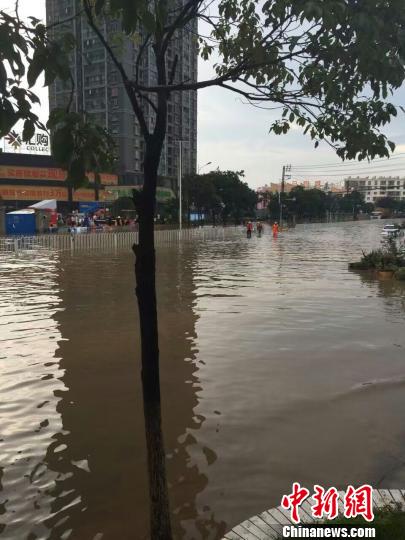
[100, 92]
[377, 187]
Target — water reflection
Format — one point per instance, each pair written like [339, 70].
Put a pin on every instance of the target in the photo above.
[29, 377]
[2, 504]
[390, 290]
[278, 365]
[100, 455]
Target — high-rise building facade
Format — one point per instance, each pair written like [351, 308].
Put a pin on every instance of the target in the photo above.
[99, 91]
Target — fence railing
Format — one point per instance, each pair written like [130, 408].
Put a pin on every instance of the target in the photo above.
[113, 240]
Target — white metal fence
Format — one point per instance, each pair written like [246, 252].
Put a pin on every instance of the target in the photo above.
[112, 240]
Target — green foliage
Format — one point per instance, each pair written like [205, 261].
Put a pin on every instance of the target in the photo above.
[221, 193]
[79, 146]
[389, 523]
[359, 265]
[400, 274]
[351, 203]
[15, 101]
[369, 207]
[330, 64]
[388, 258]
[237, 199]
[312, 204]
[169, 211]
[386, 202]
[134, 13]
[27, 53]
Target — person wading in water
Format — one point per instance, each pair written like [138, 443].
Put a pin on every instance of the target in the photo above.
[249, 229]
[275, 229]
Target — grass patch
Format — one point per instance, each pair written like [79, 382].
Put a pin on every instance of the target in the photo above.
[389, 523]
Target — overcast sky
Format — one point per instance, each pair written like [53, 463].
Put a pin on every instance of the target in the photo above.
[233, 135]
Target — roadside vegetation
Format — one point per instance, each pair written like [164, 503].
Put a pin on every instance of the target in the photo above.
[315, 204]
[218, 197]
[389, 258]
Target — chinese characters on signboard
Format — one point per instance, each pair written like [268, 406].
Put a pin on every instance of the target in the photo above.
[48, 173]
[39, 143]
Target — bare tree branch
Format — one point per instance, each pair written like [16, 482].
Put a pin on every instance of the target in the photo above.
[139, 57]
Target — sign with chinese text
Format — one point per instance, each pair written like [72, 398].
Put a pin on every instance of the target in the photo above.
[40, 193]
[49, 173]
[38, 144]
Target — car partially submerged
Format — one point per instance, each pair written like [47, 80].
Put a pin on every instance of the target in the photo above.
[390, 230]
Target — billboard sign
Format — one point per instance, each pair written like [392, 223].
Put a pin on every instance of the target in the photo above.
[38, 144]
[48, 173]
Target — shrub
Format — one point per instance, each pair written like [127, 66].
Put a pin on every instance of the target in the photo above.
[388, 258]
[400, 274]
[358, 265]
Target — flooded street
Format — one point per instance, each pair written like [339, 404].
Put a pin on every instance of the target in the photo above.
[278, 365]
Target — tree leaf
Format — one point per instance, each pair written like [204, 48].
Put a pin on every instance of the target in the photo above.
[3, 78]
[99, 6]
[29, 130]
[35, 68]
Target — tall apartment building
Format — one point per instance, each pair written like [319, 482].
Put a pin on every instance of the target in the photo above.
[377, 187]
[99, 92]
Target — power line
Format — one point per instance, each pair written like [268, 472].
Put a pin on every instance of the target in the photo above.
[350, 164]
[306, 174]
[376, 170]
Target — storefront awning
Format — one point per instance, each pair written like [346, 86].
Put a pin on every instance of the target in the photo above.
[49, 204]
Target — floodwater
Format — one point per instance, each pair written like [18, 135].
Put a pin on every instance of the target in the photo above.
[278, 365]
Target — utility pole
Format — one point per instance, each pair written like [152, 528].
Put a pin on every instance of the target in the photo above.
[180, 186]
[286, 168]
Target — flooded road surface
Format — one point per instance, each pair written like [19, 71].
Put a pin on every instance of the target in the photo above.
[278, 365]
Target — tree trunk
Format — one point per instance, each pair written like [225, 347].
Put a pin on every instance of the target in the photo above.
[70, 197]
[145, 269]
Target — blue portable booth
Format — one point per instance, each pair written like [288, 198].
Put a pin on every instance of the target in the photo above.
[21, 222]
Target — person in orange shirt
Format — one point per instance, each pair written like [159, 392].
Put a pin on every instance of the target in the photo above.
[275, 229]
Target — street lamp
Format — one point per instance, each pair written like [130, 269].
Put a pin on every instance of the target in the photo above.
[180, 173]
[202, 166]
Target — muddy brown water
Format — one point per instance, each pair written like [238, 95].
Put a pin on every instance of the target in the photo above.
[278, 365]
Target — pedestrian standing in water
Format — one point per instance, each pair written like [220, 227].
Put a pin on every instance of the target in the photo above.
[275, 229]
[249, 229]
[259, 228]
